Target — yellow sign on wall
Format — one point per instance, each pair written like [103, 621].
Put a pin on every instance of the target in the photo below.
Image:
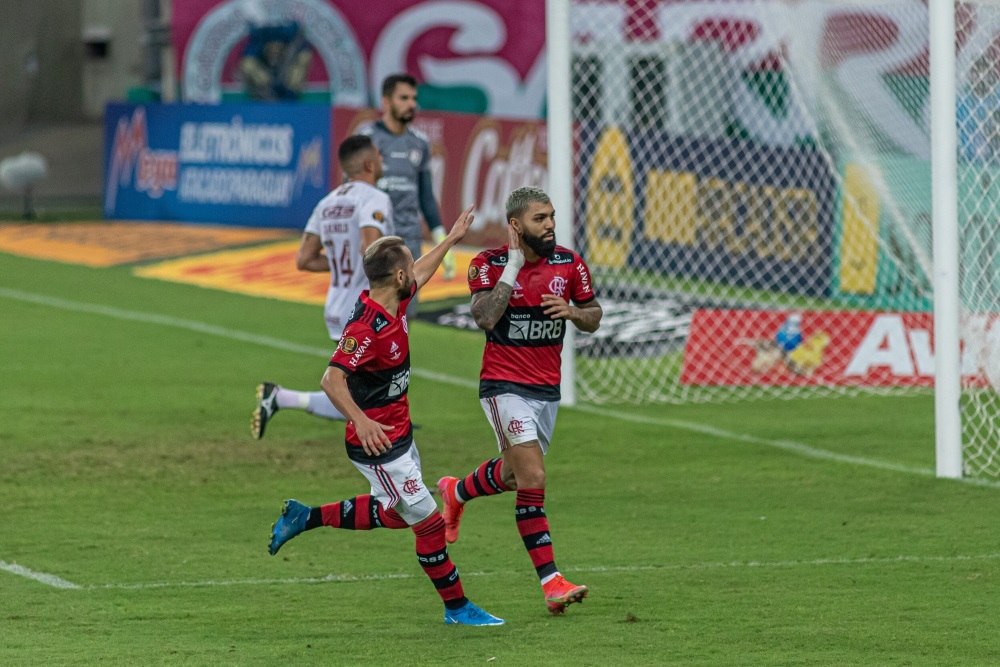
[610, 202]
[859, 243]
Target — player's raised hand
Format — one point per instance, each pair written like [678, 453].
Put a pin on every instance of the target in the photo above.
[461, 225]
[515, 256]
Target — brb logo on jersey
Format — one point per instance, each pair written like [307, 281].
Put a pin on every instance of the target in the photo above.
[535, 329]
[399, 383]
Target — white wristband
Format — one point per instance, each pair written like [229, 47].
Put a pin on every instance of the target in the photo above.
[509, 275]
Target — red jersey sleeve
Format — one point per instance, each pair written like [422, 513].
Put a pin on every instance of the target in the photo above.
[482, 276]
[583, 286]
[356, 347]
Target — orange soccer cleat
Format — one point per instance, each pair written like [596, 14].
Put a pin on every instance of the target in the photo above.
[559, 593]
[452, 508]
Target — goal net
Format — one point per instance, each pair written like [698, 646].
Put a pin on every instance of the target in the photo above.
[978, 119]
[753, 195]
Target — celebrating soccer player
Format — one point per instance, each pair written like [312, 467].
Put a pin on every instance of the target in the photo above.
[367, 380]
[522, 296]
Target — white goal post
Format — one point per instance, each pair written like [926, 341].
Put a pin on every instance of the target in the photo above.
[944, 181]
[785, 199]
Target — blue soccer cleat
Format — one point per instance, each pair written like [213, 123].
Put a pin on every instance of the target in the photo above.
[470, 614]
[292, 521]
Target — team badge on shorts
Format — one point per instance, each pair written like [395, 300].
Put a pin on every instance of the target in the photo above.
[515, 427]
[378, 215]
[348, 345]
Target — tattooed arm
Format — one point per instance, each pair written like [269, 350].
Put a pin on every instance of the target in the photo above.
[488, 307]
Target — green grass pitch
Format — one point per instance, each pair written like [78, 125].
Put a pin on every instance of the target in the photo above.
[135, 509]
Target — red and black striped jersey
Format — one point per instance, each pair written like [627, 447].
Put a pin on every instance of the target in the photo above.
[374, 351]
[522, 352]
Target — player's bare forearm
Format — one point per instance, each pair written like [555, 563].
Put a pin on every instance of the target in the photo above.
[315, 265]
[488, 307]
[334, 385]
[371, 433]
[310, 256]
[428, 263]
[586, 317]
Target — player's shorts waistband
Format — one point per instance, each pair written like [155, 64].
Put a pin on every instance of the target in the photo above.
[539, 392]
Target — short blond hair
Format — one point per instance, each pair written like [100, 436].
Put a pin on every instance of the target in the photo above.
[519, 200]
[383, 258]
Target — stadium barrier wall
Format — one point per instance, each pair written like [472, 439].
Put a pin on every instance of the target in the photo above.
[266, 165]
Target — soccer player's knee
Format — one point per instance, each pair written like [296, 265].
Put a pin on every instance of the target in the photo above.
[418, 511]
[532, 478]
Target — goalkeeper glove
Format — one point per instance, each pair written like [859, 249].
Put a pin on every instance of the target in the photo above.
[438, 234]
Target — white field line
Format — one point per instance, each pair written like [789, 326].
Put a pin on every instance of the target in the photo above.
[619, 569]
[41, 577]
[288, 346]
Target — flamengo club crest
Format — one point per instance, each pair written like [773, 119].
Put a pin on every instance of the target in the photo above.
[515, 427]
[557, 286]
[411, 486]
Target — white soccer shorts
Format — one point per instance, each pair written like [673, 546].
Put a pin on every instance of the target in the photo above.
[517, 420]
[400, 484]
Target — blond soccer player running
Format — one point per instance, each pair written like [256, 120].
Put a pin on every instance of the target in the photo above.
[368, 380]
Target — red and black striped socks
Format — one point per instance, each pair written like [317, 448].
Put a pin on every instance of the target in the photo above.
[358, 513]
[486, 480]
[533, 526]
[432, 552]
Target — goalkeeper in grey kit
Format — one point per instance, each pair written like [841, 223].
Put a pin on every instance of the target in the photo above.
[406, 173]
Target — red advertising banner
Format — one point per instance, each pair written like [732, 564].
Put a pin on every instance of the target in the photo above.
[833, 348]
[491, 52]
[475, 160]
